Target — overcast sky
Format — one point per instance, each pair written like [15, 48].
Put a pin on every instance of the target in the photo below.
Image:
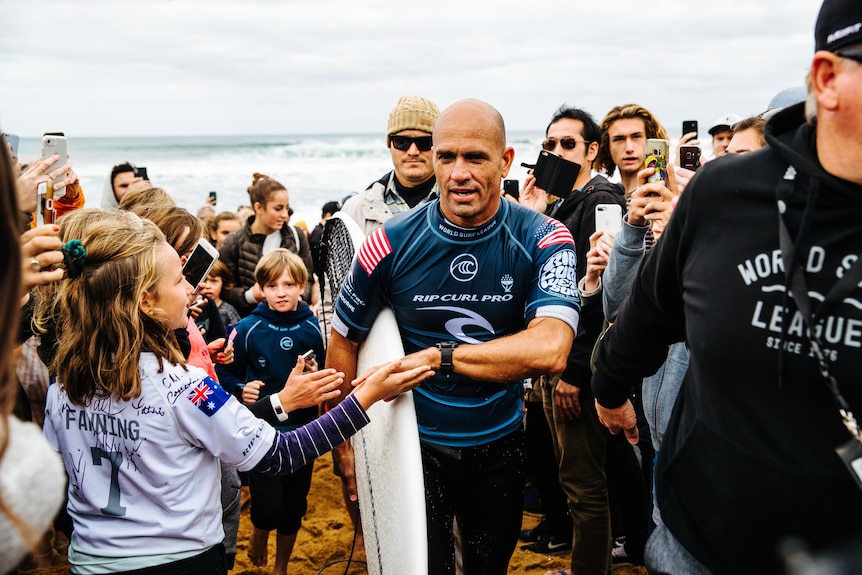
[187, 67]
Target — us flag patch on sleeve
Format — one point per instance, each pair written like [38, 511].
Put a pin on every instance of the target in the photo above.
[374, 248]
[208, 396]
[552, 232]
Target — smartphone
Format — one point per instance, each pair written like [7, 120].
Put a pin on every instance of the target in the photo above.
[609, 218]
[656, 157]
[555, 174]
[45, 212]
[689, 126]
[512, 188]
[689, 157]
[141, 172]
[12, 140]
[55, 143]
[199, 264]
[213, 196]
[308, 355]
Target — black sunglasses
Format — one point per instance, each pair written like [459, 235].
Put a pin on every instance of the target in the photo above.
[854, 54]
[567, 143]
[403, 143]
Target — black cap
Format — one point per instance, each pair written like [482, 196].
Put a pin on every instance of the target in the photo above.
[330, 207]
[839, 24]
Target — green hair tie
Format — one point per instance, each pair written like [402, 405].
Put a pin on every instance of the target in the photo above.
[74, 256]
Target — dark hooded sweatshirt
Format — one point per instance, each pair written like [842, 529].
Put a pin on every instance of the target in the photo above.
[749, 456]
[578, 213]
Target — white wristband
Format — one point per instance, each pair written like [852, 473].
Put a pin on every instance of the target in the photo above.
[280, 413]
[249, 295]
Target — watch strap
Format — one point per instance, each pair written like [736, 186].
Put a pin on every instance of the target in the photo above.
[446, 348]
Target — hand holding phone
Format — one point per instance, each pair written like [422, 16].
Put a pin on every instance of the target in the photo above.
[54, 143]
[689, 157]
[609, 218]
[200, 262]
[689, 127]
[45, 212]
[655, 156]
[511, 188]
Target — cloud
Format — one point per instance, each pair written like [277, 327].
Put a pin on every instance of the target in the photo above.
[95, 67]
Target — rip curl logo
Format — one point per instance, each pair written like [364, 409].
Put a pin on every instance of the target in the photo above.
[507, 281]
[286, 343]
[464, 268]
[465, 318]
[557, 276]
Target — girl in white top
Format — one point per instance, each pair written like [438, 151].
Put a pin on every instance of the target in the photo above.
[140, 432]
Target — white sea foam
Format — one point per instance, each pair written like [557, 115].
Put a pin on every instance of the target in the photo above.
[315, 169]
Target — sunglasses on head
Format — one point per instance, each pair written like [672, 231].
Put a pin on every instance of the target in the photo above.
[567, 143]
[403, 143]
[854, 54]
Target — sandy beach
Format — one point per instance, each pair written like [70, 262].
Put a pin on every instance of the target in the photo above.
[324, 542]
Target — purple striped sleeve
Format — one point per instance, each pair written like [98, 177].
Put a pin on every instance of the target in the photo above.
[294, 449]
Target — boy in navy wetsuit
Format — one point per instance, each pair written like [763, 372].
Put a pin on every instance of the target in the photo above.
[267, 346]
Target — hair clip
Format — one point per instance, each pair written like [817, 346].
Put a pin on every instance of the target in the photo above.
[74, 256]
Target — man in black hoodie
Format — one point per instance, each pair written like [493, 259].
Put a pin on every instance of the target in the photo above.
[579, 440]
[750, 456]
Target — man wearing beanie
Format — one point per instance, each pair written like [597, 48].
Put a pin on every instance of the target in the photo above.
[412, 182]
[762, 457]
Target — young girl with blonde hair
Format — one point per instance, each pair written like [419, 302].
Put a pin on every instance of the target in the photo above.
[141, 432]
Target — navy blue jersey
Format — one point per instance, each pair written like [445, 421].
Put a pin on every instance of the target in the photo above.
[266, 347]
[471, 285]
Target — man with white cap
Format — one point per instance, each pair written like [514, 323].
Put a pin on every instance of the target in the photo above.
[763, 451]
[721, 132]
[412, 182]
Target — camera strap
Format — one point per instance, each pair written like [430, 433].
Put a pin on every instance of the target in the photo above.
[850, 452]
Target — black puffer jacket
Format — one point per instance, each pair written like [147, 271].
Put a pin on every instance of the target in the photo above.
[242, 250]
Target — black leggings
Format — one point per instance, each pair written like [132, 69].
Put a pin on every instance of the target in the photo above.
[484, 487]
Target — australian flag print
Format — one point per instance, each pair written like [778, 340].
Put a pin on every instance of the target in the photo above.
[208, 396]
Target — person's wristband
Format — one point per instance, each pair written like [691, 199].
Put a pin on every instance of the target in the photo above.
[249, 295]
[280, 413]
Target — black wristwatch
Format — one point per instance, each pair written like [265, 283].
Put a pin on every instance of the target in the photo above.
[446, 348]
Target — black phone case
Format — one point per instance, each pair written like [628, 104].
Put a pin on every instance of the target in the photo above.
[555, 175]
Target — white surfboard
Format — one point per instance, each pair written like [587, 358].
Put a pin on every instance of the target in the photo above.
[389, 475]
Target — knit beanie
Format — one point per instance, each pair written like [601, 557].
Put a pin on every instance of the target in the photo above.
[412, 113]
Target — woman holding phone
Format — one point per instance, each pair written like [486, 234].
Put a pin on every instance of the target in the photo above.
[141, 431]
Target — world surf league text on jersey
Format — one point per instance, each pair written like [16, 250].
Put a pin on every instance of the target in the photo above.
[451, 230]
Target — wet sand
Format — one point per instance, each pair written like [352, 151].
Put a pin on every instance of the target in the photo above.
[327, 534]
